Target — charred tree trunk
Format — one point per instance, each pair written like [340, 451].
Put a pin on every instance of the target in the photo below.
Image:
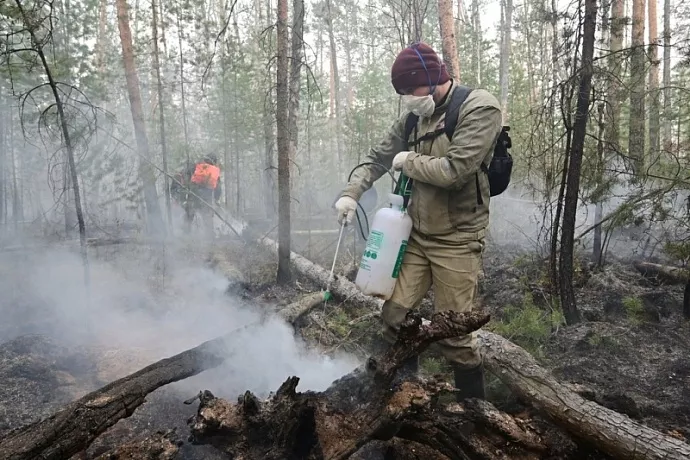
[654, 109]
[161, 111]
[448, 43]
[145, 169]
[282, 98]
[572, 315]
[336, 423]
[636, 136]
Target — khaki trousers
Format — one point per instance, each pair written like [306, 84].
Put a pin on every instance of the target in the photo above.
[452, 264]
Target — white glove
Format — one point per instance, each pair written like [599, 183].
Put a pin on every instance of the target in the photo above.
[345, 207]
[399, 160]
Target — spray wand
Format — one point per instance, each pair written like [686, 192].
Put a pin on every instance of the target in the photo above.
[327, 295]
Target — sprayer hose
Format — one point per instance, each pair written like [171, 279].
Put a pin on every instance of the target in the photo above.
[349, 177]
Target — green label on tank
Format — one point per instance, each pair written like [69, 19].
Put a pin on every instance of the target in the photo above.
[399, 260]
[373, 245]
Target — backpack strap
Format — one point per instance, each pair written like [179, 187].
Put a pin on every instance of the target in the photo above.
[410, 125]
[457, 98]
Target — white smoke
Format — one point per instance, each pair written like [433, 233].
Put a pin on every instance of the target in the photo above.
[44, 293]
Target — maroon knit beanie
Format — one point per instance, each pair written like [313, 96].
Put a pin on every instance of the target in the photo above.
[418, 65]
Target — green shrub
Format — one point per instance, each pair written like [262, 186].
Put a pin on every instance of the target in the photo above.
[528, 325]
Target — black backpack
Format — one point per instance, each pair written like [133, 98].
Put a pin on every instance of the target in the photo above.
[501, 165]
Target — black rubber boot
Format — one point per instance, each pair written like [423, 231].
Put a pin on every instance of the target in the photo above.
[407, 371]
[470, 382]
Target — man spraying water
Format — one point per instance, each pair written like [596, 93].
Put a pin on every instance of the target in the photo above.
[451, 178]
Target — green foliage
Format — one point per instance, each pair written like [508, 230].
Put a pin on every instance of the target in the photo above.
[528, 325]
[634, 308]
[678, 250]
[432, 365]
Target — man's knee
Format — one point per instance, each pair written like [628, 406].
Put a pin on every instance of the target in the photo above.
[462, 351]
[392, 316]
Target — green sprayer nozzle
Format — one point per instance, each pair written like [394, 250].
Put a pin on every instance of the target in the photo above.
[327, 296]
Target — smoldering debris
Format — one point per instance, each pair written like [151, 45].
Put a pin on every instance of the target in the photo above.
[128, 321]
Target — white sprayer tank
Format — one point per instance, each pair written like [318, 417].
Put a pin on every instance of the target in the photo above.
[383, 255]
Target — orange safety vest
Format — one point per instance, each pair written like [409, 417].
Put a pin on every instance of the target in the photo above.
[206, 175]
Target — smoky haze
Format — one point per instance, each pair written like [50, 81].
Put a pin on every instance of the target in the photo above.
[132, 308]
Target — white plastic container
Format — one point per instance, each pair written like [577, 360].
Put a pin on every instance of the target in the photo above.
[383, 255]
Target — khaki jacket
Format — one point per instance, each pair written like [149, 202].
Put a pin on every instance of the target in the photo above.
[444, 188]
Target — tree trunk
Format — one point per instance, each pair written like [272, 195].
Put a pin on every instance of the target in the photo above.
[636, 136]
[282, 98]
[448, 44]
[599, 202]
[663, 273]
[478, 39]
[335, 83]
[66, 138]
[183, 98]
[3, 156]
[654, 121]
[100, 45]
[667, 74]
[504, 64]
[161, 110]
[145, 170]
[572, 315]
[295, 78]
[686, 300]
[615, 58]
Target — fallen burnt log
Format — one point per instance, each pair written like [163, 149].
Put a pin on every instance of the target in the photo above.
[73, 428]
[611, 432]
[159, 446]
[666, 273]
[368, 404]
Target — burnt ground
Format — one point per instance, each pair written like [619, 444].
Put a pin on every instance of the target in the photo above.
[630, 353]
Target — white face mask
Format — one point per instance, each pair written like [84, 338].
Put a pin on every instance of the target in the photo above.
[422, 106]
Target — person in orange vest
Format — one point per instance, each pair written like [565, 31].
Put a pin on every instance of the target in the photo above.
[204, 181]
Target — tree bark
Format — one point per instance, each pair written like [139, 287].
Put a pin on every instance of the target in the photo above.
[145, 170]
[336, 423]
[504, 63]
[448, 43]
[335, 83]
[282, 99]
[572, 315]
[636, 136]
[159, 446]
[667, 74]
[654, 109]
[664, 273]
[295, 78]
[183, 98]
[614, 66]
[161, 111]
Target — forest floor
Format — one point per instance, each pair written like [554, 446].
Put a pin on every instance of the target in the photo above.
[629, 354]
